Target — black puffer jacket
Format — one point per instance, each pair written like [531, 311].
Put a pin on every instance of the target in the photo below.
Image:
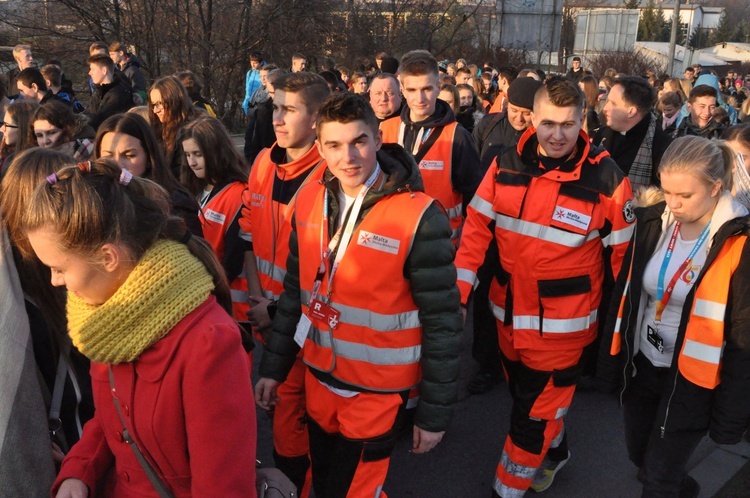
[723, 411]
[432, 275]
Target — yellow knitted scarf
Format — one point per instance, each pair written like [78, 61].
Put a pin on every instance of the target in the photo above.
[166, 284]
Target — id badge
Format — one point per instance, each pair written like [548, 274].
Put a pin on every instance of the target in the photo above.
[303, 328]
[654, 338]
[318, 310]
[333, 317]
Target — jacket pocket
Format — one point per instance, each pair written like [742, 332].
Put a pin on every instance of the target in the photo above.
[514, 187]
[565, 307]
[573, 214]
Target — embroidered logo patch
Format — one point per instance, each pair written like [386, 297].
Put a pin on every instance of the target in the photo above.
[628, 212]
[212, 215]
[572, 218]
[432, 165]
[378, 242]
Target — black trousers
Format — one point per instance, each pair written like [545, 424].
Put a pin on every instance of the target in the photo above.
[662, 460]
[485, 348]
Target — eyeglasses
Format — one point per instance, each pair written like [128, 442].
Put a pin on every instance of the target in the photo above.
[8, 125]
[160, 105]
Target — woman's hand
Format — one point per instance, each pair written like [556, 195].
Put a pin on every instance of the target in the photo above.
[73, 488]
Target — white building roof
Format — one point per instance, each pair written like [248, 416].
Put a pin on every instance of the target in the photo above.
[662, 49]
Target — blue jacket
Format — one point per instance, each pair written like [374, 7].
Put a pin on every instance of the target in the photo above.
[252, 83]
[712, 81]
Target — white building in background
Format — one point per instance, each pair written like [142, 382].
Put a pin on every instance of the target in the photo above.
[718, 57]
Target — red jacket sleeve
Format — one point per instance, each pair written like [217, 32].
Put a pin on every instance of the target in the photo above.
[477, 233]
[619, 212]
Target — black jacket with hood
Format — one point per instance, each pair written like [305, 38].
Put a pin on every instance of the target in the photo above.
[466, 173]
[432, 276]
[723, 411]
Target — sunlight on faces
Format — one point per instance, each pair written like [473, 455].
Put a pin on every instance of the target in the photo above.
[669, 110]
[518, 117]
[465, 97]
[194, 157]
[617, 111]
[293, 124]
[126, 150]
[155, 97]
[556, 127]
[28, 92]
[702, 110]
[421, 93]
[350, 150]
[9, 130]
[690, 198]
[98, 73]
[46, 133]
[384, 97]
[447, 97]
[92, 281]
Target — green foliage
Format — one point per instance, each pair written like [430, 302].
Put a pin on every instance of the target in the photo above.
[632, 4]
[724, 32]
[652, 25]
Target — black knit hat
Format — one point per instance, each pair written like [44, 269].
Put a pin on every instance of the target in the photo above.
[521, 92]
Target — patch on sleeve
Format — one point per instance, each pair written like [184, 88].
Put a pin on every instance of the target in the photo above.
[628, 212]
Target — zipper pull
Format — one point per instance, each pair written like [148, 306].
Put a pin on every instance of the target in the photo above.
[662, 431]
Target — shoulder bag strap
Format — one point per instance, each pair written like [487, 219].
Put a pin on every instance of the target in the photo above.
[156, 481]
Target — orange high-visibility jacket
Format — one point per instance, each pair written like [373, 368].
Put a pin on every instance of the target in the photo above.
[551, 229]
[216, 217]
[266, 222]
[435, 167]
[377, 343]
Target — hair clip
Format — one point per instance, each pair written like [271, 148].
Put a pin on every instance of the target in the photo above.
[125, 177]
[85, 166]
[52, 179]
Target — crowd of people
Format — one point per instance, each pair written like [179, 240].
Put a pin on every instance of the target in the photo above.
[594, 225]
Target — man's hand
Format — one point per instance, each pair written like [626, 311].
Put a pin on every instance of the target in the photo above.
[265, 393]
[73, 488]
[423, 441]
[258, 315]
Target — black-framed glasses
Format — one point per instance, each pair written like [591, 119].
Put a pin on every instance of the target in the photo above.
[8, 125]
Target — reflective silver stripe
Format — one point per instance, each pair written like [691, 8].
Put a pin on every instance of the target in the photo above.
[454, 212]
[710, 309]
[482, 206]
[506, 491]
[516, 469]
[362, 352]
[558, 439]
[537, 231]
[375, 321]
[619, 236]
[554, 325]
[267, 268]
[239, 296]
[561, 412]
[246, 236]
[497, 311]
[467, 276]
[702, 352]
[412, 402]
[378, 491]
[270, 295]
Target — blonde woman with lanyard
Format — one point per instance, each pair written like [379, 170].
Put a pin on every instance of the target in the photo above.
[680, 327]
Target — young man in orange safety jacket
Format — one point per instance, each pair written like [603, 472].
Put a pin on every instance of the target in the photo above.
[560, 211]
[370, 293]
[276, 177]
[445, 152]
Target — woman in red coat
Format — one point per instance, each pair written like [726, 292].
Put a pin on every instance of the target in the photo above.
[167, 359]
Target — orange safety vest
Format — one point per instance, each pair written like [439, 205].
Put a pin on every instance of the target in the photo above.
[435, 167]
[266, 223]
[377, 342]
[215, 218]
[699, 360]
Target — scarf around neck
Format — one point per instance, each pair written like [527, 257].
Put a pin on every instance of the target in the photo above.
[166, 284]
